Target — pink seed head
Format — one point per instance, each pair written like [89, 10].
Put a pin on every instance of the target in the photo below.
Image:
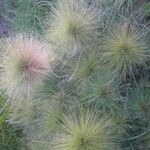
[26, 65]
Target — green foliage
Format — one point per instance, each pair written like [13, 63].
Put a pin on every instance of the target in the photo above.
[9, 138]
[23, 115]
[87, 65]
[146, 9]
[39, 146]
[94, 97]
[29, 14]
[102, 90]
[52, 116]
[140, 102]
[121, 124]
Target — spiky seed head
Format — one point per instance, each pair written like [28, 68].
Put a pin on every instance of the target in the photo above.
[72, 25]
[25, 66]
[102, 90]
[84, 131]
[125, 49]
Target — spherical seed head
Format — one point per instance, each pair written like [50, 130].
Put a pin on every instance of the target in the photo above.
[84, 131]
[125, 49]
[73, 23]
[26, 64]
[102, 90]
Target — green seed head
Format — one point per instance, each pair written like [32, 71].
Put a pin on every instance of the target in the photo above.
[72, 26]
[85, 132]
[124, 50]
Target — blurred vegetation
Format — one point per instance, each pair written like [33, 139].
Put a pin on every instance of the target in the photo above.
[28, 14]
[146, 8]
[82, 81]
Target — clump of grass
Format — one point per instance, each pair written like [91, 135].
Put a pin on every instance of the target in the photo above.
[52, 118]
[102, 90]
[25, 66]
[39, 146]
[72, 25]
[146, 9]
[125, 49]
[28, 15]
[23, 115]
[140, 102]
[144, 141]
[121, 124]
[9, 138]
[87, 65]
[84, 131]
[141, 138]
